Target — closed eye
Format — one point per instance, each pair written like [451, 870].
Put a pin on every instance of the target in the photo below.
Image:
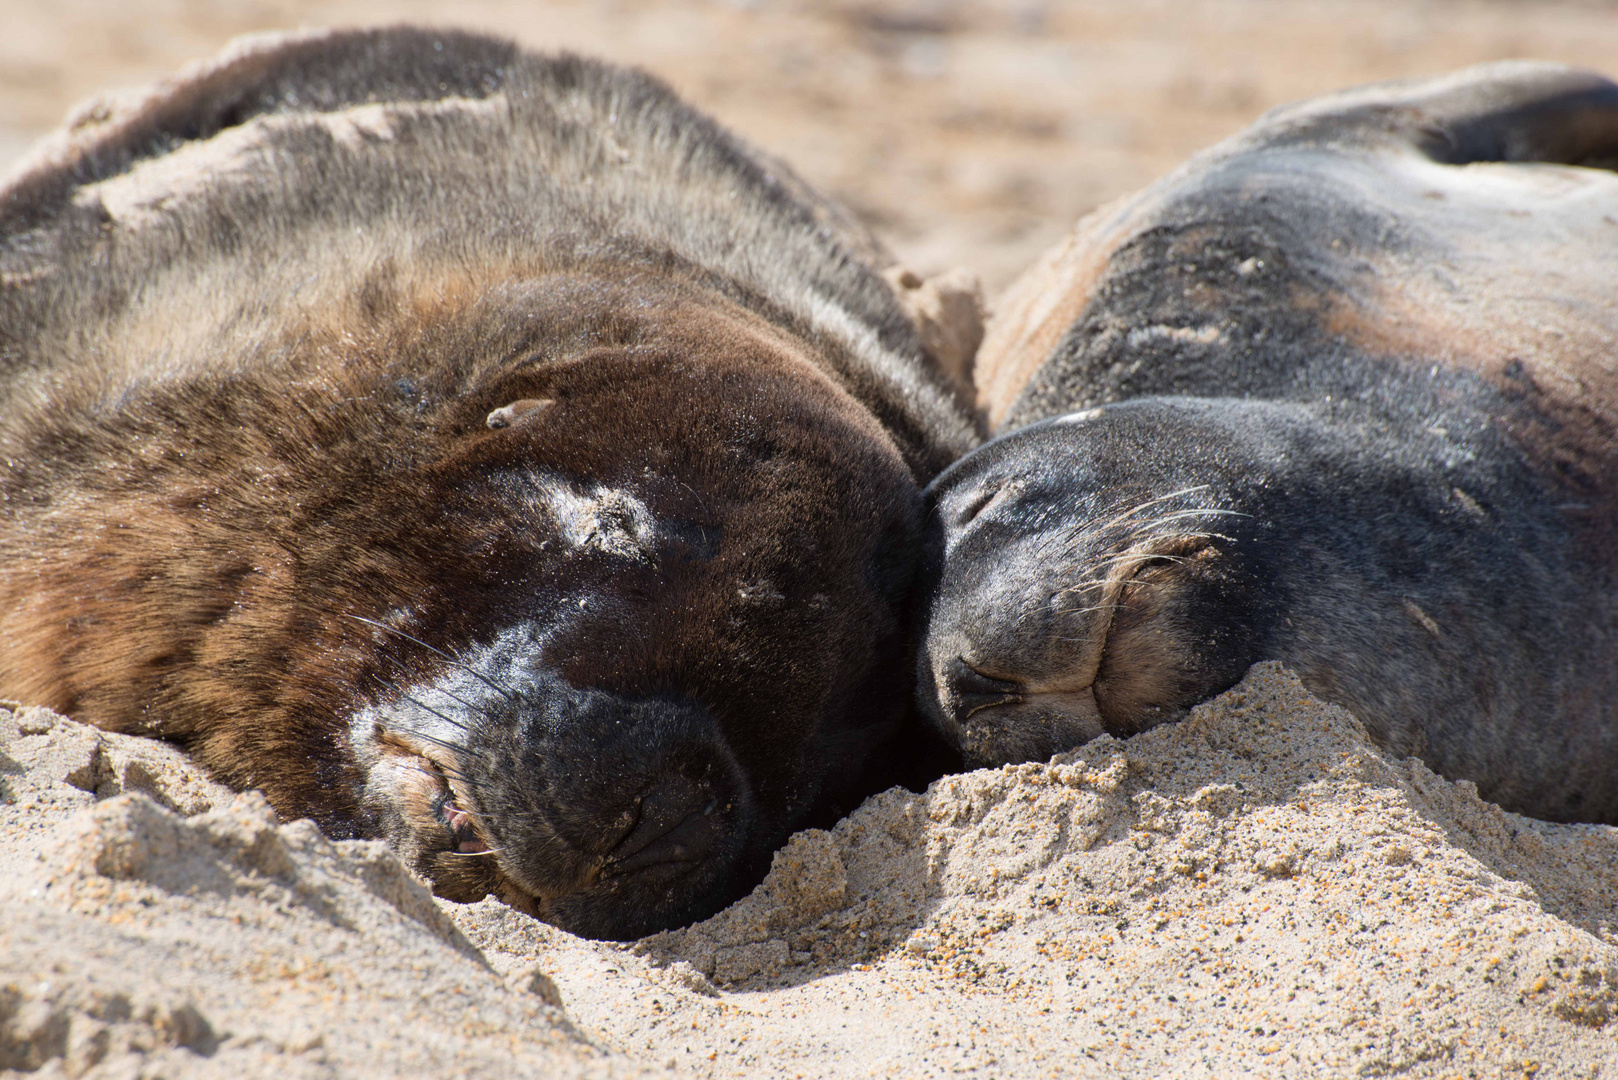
[980, 501]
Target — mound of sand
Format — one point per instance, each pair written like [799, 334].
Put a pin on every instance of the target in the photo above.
[154, 924]
[1258, 888]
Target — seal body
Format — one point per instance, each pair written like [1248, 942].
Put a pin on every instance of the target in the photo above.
[1341, 392]
[473, 448]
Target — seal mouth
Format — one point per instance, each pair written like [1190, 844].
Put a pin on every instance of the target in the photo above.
[1028, 726]
[421, 799]
[462, 825]
[427, 787]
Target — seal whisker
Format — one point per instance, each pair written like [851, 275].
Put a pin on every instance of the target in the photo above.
[439, 770]
[1110, 605]
[1195, 512]
[1111, 561]
[1084, 611]
[447, 693]
[472, 671]
[436, 774]
[1107, 605]
[1092, 531]
[397, 689]
[1092, 534]
[1080, 586]
[701, 503]
[418, 703]
[451, 747]
[1125, 515]
[400, 691]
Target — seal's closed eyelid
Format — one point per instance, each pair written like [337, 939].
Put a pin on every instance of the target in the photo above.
[506, 415]
[974, 506]
[986, 496]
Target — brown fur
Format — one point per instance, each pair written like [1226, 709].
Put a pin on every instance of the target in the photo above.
[274, 476]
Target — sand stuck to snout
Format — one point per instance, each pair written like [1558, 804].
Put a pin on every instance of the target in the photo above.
[1256, 889]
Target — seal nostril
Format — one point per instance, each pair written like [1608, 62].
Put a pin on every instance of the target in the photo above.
[688, 843]
[675, 825]
[971, 690]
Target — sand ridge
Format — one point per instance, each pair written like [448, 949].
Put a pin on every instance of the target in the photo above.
[1258, 888]
[153, 923]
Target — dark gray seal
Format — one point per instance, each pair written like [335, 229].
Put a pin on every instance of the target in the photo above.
[469, 447]
[1341, 392]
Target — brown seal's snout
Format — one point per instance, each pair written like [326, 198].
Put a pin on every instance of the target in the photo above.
[650, 827]
[674, 827]
[608, 816]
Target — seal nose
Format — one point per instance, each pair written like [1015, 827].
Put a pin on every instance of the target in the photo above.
[969, 690]
[674, 824]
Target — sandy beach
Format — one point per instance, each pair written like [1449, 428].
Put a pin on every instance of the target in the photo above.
[1257, 890]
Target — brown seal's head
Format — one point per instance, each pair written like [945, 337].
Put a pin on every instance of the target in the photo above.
[588, 598]
[473, 447]
[655, 597]
[584, 591]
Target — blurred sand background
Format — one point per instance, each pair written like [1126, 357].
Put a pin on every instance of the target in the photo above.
[967, 132]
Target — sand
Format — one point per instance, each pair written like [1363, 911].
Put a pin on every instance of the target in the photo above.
[1256, 890]
[154, 924]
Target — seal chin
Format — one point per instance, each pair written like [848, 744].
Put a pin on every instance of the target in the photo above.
[1030, 727]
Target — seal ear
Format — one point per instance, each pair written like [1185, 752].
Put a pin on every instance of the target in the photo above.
[948, 312]
[506, 415]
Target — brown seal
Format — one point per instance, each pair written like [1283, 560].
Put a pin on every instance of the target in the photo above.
[470, 447]
[1342, 392]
